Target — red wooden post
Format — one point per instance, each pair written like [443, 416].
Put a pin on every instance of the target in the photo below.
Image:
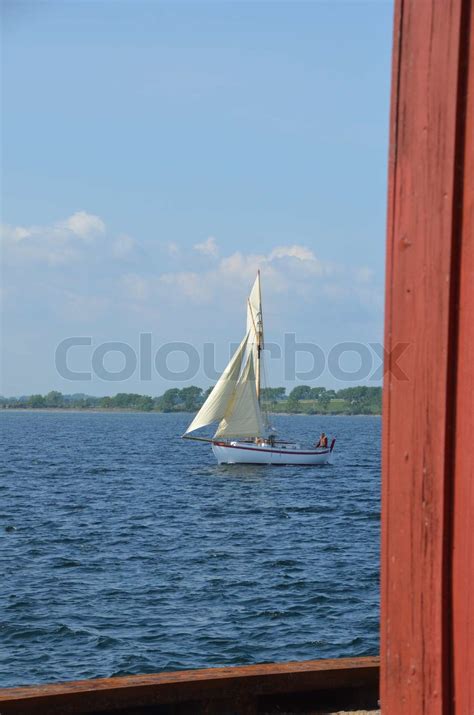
[427, 618]
[463, 434]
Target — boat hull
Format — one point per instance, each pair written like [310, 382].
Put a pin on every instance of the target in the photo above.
[238, 453]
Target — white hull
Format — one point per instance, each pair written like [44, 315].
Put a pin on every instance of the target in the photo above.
[249, 453]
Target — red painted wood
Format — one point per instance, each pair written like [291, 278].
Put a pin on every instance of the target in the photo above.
[427, 250]
[243, 686]
[463, 424]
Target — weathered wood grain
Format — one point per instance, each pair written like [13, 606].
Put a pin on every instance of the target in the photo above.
[462, 465]
[427, 262]
[197, 690]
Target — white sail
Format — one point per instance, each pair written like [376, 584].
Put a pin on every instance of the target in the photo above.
[254, 311]
[255, 327]
[243, 417]
[217, 403]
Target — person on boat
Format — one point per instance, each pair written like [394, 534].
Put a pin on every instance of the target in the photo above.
[323, 441]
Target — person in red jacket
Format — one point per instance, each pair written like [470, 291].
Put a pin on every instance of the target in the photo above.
[323, 441]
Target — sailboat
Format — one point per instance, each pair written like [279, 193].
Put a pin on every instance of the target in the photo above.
[244, 434]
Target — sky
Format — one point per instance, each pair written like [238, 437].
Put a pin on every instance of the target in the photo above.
[156, 154]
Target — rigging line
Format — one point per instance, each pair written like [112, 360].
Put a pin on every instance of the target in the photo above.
[251, 315]
[265, 384]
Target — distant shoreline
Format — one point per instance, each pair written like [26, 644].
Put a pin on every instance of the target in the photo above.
[128, 410]
[302, 400]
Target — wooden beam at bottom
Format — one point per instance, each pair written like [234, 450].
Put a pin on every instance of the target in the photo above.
[307, 686]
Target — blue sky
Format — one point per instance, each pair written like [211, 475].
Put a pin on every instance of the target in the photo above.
[156, 153]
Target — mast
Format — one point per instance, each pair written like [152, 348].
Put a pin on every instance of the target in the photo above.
[259, 332]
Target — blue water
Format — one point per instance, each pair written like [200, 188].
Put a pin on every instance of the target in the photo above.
[126, 550]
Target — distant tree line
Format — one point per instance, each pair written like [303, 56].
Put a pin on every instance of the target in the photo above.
[305, 399]
[302, 399]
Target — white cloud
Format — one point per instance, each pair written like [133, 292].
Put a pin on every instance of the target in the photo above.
[301, 252]
[291, 273]
[287, 270]
[207, 247]
[186, 284]
[83, 225]
[123, 246]
[241, 266]
[15, 233]
[54, 244]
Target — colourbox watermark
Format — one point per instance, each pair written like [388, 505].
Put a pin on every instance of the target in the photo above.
[367, 361]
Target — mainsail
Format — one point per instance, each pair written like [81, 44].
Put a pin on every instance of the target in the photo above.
[255, 327]
[234, 401]
[254, 310]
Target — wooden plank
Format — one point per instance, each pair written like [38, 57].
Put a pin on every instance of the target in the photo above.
[196, 686]
[463, 422]
[424, 234]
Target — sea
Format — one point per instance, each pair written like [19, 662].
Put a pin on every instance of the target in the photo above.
[124, 549]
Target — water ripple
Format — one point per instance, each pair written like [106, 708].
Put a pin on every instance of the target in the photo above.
[126, 550]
